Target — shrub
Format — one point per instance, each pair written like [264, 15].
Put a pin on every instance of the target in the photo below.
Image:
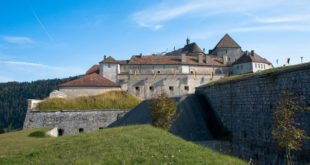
[163, 111]
[286, 134]
[38, 134]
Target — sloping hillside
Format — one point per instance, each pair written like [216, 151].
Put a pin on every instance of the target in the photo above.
[140, 144]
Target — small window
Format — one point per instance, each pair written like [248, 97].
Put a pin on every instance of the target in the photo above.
[164, 66]
[228, 58]
[60, 132]
[137, 88]
[124, 67]
[81, 130]
[158, 72]
[241, 66]
[186, 88]
[151, 88]
[109, 65]
[177, 68]
[170, 88]
[153, 67]
[100, 127]
[255, 65]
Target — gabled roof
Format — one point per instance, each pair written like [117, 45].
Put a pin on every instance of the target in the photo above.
[174, 60]
[93, 69]
[92, 80]
[227, 42]
[249, 57]
[192, 48]
[109, 60]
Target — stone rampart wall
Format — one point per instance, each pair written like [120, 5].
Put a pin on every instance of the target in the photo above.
[246, 108]
[72, 121]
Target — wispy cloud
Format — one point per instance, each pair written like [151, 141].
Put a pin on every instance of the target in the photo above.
[42, 26]
[284, 19]
[23, 63]
[169, 10]
[272, 28]
[18, 40]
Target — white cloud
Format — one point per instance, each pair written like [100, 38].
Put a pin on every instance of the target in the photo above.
[18, 40]
[273, 28]
[169, 10]
[5, 79]
[285, 19]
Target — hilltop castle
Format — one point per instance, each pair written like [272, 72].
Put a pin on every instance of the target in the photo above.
[176, 73]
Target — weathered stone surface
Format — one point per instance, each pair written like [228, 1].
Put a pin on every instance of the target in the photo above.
[246, 108]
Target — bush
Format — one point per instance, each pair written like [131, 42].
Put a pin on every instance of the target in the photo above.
[163, 111]
[38, 134]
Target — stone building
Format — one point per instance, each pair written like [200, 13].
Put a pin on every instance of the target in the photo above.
[177, 72]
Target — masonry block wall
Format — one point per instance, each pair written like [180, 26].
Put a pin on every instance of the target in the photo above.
[72, 121]
[246, 106]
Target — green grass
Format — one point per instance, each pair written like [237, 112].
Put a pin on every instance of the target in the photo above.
[107, 100]
[239, 76]
[140, 144]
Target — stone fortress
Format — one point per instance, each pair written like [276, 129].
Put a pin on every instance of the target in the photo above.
[176, 73]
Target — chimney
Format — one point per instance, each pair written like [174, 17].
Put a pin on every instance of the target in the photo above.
[252, 52]
[140, 55]
[183, 57]
[225, 60]
[187, 41]
[200, 58]
[208, 59]
[104, 57]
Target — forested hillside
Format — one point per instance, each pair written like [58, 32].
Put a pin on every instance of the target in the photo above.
[13, 99]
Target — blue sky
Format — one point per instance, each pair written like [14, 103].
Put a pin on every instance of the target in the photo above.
[56, 38]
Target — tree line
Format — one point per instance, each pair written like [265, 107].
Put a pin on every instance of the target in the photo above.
[13, 99]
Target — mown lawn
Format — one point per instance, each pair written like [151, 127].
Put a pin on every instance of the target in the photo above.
[140, 144]
[107, 100]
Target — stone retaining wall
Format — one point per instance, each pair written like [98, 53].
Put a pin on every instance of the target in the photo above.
[245, 107]
[71, 121]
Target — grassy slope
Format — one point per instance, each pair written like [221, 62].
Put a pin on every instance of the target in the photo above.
[141, 144]
[107, 100]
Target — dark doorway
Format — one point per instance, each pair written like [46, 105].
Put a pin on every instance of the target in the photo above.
[81, 130]
[60, 132]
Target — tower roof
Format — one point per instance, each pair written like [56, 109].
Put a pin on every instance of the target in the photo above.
[251, 57]
[227, 42]
[92, 80]
[192, 48]
[109, 60]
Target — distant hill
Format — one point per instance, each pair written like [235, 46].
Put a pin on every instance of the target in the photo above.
[13, 99]
[139, 144]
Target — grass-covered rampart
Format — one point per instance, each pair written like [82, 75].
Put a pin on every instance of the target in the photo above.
[140, 144]
[107, 100]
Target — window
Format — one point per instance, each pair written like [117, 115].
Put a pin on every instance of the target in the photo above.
[228, 58]
[255, 65]
[137, 88]
[109, 65]
[100, 127]
[177, 68]
[60, 132]
[151, 88]
[241, 66]
[170, 88]
[81, 130]
[186, 88]
[153, 67]
[164, 66]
